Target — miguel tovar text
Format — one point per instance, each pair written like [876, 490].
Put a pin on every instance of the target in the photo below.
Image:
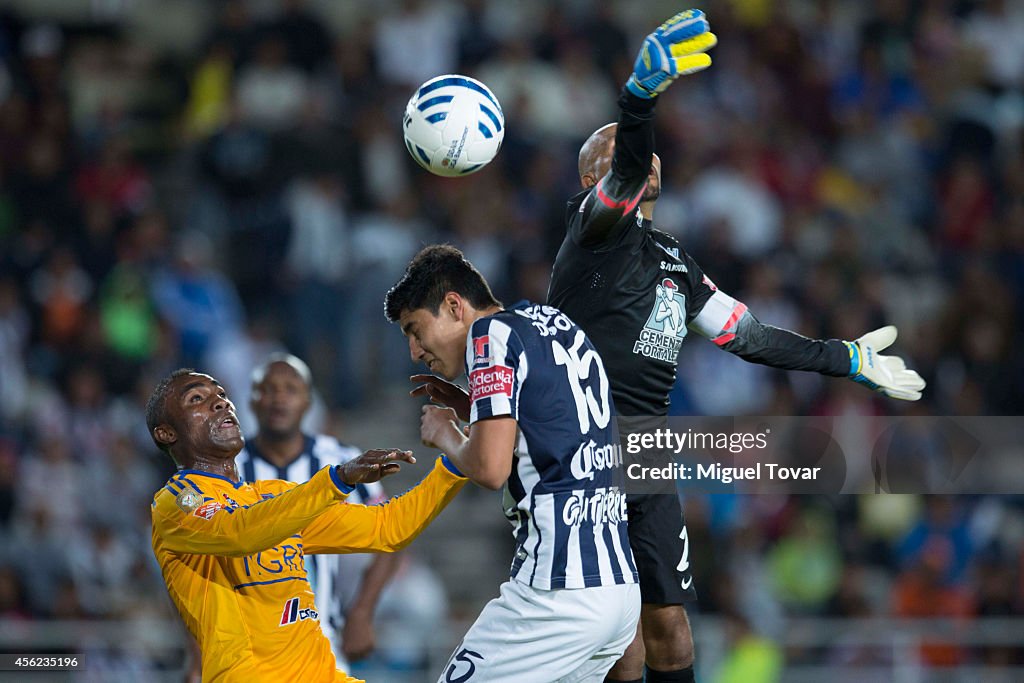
[721, 473]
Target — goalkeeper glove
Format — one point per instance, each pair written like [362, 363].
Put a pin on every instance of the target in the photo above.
[676, 48]
[885, 374]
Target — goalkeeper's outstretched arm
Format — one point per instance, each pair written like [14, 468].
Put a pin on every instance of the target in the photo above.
[732, 327]
[676, 48]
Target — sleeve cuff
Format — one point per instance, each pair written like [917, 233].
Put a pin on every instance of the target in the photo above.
[336, 478]
[855, 359]
[450, 466]
[639, 106]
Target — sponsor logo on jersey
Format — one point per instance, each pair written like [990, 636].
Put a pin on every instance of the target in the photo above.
[292, 614]
[588, 459]
[490, 381]
[671, 251]
[207, 510]
[663, 333]
[482, 350]
[600, 506]
[673, 267]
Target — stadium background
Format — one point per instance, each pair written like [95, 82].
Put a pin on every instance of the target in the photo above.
[198, 183]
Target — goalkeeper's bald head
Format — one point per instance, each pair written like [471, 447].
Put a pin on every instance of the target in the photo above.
[596, 155]
[595, 162]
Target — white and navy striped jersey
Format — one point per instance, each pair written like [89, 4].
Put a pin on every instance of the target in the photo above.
[334, 579]
[563, 497]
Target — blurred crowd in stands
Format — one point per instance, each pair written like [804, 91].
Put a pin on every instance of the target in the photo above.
[842, 165]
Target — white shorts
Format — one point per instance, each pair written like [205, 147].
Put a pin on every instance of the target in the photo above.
[543, 636]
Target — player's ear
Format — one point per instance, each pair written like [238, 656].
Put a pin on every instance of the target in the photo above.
[165, 434]
[587, 180]
[453, 305]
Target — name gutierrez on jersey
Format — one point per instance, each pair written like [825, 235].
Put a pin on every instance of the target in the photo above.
[602, 505]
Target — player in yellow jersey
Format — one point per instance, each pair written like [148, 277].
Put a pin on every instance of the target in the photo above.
[232, 554]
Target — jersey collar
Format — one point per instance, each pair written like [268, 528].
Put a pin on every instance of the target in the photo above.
[202, 473]
[522, 303]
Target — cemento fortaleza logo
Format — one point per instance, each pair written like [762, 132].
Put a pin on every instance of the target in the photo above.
[492, 381]
[292, 614]
[665, 328]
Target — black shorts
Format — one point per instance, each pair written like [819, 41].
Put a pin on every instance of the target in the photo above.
[657, 535]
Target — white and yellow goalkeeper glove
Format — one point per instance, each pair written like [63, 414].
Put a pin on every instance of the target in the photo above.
[885, 374]
[674, 49]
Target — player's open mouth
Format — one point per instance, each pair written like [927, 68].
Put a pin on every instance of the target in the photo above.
[228, 422]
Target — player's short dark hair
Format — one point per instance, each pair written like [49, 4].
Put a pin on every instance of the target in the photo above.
[156, 406]
[432, 273]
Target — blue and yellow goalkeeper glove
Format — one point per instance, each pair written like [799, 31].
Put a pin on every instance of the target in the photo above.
[676, 48]
[885, 374]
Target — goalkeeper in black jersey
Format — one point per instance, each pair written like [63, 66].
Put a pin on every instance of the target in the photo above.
[636, 293]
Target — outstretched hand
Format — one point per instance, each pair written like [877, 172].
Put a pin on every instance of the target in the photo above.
[887, 375]
[443, 393]
[373, 465]
[674, 49]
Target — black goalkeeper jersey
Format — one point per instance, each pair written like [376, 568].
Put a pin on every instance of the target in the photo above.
[635, 292]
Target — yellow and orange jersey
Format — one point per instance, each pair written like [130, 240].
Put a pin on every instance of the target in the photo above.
[232, 557]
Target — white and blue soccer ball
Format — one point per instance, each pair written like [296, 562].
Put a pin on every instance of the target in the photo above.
[453, 125]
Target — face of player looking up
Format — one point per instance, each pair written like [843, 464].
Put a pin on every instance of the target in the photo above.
[200, 420]
[279, 401]
[438, 340]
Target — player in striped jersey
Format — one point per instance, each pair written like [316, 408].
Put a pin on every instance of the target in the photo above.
[347, 587]
[539, 413]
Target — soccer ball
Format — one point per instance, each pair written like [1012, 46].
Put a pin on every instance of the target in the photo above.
[453, 125]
